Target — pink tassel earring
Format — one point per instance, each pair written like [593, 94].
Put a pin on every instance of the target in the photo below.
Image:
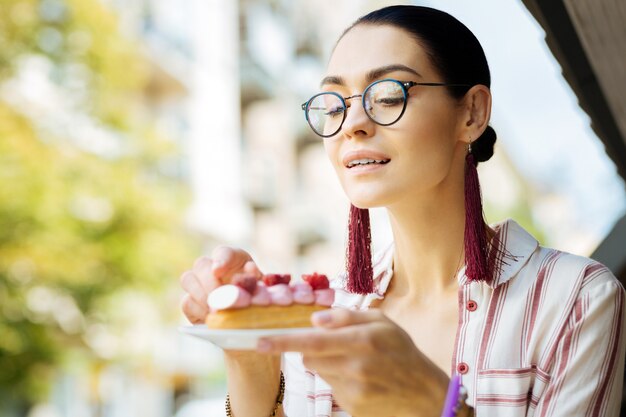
[476, 245]
[359, 252]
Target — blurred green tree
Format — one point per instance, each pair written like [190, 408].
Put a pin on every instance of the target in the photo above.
[89, 206]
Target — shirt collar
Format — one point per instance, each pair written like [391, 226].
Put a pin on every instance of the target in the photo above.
[517, 247]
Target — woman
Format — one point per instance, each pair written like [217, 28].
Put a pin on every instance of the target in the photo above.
[530, 331]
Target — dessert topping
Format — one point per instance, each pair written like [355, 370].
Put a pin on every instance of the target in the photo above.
[316, 281]
[246, 281]
[275, 279]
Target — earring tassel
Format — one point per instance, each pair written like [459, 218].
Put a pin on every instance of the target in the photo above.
[476, 246]
[359, 252]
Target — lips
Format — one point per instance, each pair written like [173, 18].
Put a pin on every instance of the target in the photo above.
[364, 157]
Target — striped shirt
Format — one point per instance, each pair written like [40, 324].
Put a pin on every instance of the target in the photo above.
[544, 338]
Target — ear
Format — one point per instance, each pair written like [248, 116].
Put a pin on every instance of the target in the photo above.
[475, 112]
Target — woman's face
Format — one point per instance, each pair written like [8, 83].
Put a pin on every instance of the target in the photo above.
[420, 147]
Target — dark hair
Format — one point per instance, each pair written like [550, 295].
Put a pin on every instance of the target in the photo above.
[452, 48]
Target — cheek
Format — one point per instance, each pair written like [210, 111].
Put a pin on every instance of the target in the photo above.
[421, 165]
[425, 142]
[424, 149]
[332, 148]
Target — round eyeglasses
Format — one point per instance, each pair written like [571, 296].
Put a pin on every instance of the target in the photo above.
[384, 102]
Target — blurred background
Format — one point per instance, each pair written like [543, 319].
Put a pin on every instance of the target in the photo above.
[136, 135]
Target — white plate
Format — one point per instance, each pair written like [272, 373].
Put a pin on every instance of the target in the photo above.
[245, 339]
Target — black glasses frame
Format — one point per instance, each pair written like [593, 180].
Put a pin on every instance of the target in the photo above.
[406, 85]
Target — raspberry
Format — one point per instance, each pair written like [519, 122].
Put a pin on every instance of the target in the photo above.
[316, 281]
[273, 279]
[246, 281]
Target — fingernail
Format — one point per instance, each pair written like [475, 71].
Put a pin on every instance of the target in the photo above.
[216, 264]
[322, 317]
[264, 346]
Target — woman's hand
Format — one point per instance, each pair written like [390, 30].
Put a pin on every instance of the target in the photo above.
[371, 363]
[211, 272]
[253, 378]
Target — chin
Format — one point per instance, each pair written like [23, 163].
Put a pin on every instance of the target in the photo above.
[364, 202]
[375, 197]
[361, 206]
[368, 196]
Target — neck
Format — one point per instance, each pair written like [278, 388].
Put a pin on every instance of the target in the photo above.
[428, 232]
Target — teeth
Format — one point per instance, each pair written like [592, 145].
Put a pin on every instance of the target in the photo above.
[366, 161]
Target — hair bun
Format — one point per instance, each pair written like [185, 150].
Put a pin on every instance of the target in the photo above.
[482, 148]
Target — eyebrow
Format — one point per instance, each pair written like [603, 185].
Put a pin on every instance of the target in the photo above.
[371, 75]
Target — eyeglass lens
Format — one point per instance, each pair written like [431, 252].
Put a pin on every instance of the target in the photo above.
[384, 103]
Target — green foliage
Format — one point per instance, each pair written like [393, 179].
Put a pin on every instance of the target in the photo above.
[77, 226]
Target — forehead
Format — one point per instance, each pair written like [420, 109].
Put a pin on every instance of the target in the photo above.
[366, 47]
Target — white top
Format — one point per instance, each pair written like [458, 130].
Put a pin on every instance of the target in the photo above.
[545, 338]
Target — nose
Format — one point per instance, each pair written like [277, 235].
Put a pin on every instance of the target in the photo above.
[357, 123]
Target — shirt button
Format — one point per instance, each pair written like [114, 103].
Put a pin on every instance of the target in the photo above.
[472, 305]
[462, 368]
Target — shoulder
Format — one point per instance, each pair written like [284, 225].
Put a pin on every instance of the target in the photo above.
[595, 282]
[565, 269]
[548, 285]
[555, 293]
[527, 264]
[563, 289]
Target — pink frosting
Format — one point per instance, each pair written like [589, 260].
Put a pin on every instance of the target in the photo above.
[232, 296]
[281, 294]
[243, 300]
[304, 296]
[301, 286]
[261, 296]
[325, 297]
[228, 296]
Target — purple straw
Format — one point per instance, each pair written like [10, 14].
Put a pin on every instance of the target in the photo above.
[452, 398]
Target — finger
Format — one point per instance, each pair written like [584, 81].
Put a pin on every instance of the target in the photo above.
[190, 283]
[228, 260]
[203, 269]
[327, 365]
[344, 341]
[341, 369]
[195, 312]
[200, 261]
[251, 268]
[340, 317]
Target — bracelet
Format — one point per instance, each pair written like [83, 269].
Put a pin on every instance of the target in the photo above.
[279, 398]
[455, 404]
